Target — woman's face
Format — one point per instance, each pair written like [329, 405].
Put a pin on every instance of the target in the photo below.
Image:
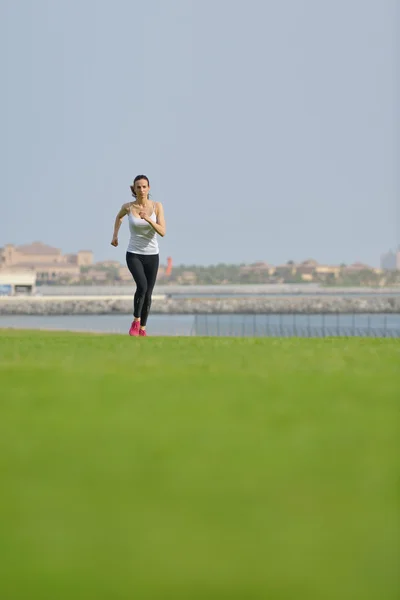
[141, 188]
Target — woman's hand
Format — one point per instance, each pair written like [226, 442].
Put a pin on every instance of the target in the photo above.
[114, 241]
[143, 215]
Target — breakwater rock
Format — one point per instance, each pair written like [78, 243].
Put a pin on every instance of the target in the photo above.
[64, 305]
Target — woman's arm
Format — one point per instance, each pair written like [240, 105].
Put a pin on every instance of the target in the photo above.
[117, 224]
[159, 226]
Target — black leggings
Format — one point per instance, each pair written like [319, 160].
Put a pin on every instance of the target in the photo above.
[144, 269]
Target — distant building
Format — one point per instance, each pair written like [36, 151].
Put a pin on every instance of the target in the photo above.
[358, 267]
[12, 283]
[328, 271]
[284, 270]
[187, 277]
[310, 262]
[389, 262]
[306, 269]
[108, 263]
[96, 275]
[124, 274]
[258, 267]
[48, 263]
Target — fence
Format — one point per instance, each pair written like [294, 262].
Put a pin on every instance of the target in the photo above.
[298, 325]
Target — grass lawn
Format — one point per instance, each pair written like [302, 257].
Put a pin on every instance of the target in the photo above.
[198, 468]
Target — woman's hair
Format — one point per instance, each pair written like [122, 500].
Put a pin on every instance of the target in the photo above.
[137, 178]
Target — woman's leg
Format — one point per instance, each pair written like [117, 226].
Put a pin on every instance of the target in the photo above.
[150, 265]
[135, 265]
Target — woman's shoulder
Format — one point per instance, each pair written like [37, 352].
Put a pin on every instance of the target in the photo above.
[127, 206]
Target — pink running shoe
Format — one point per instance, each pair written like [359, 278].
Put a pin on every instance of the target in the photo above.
[134, 330]
[142, 332]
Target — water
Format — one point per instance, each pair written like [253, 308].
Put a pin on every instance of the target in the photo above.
[157, 325]
[373, 325]
[299, 325]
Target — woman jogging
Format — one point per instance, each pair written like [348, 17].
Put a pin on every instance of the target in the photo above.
[146, 220]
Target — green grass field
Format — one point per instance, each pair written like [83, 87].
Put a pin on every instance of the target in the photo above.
[198, 468]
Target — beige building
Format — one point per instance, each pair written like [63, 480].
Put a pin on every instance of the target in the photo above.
[258, 267]
[124, 274]
[47, 262]
[328, 271]
[358, 267]
[285, 270]
[306, 269]
[108, 263]
[187, 277]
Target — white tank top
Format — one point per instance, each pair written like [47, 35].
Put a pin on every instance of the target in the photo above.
[143, 237]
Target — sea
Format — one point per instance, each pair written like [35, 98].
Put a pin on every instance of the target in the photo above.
[238, 325]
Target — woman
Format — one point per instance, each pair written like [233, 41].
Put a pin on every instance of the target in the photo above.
[146, 220]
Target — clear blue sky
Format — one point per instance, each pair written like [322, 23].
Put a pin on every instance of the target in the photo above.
[267, 127]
